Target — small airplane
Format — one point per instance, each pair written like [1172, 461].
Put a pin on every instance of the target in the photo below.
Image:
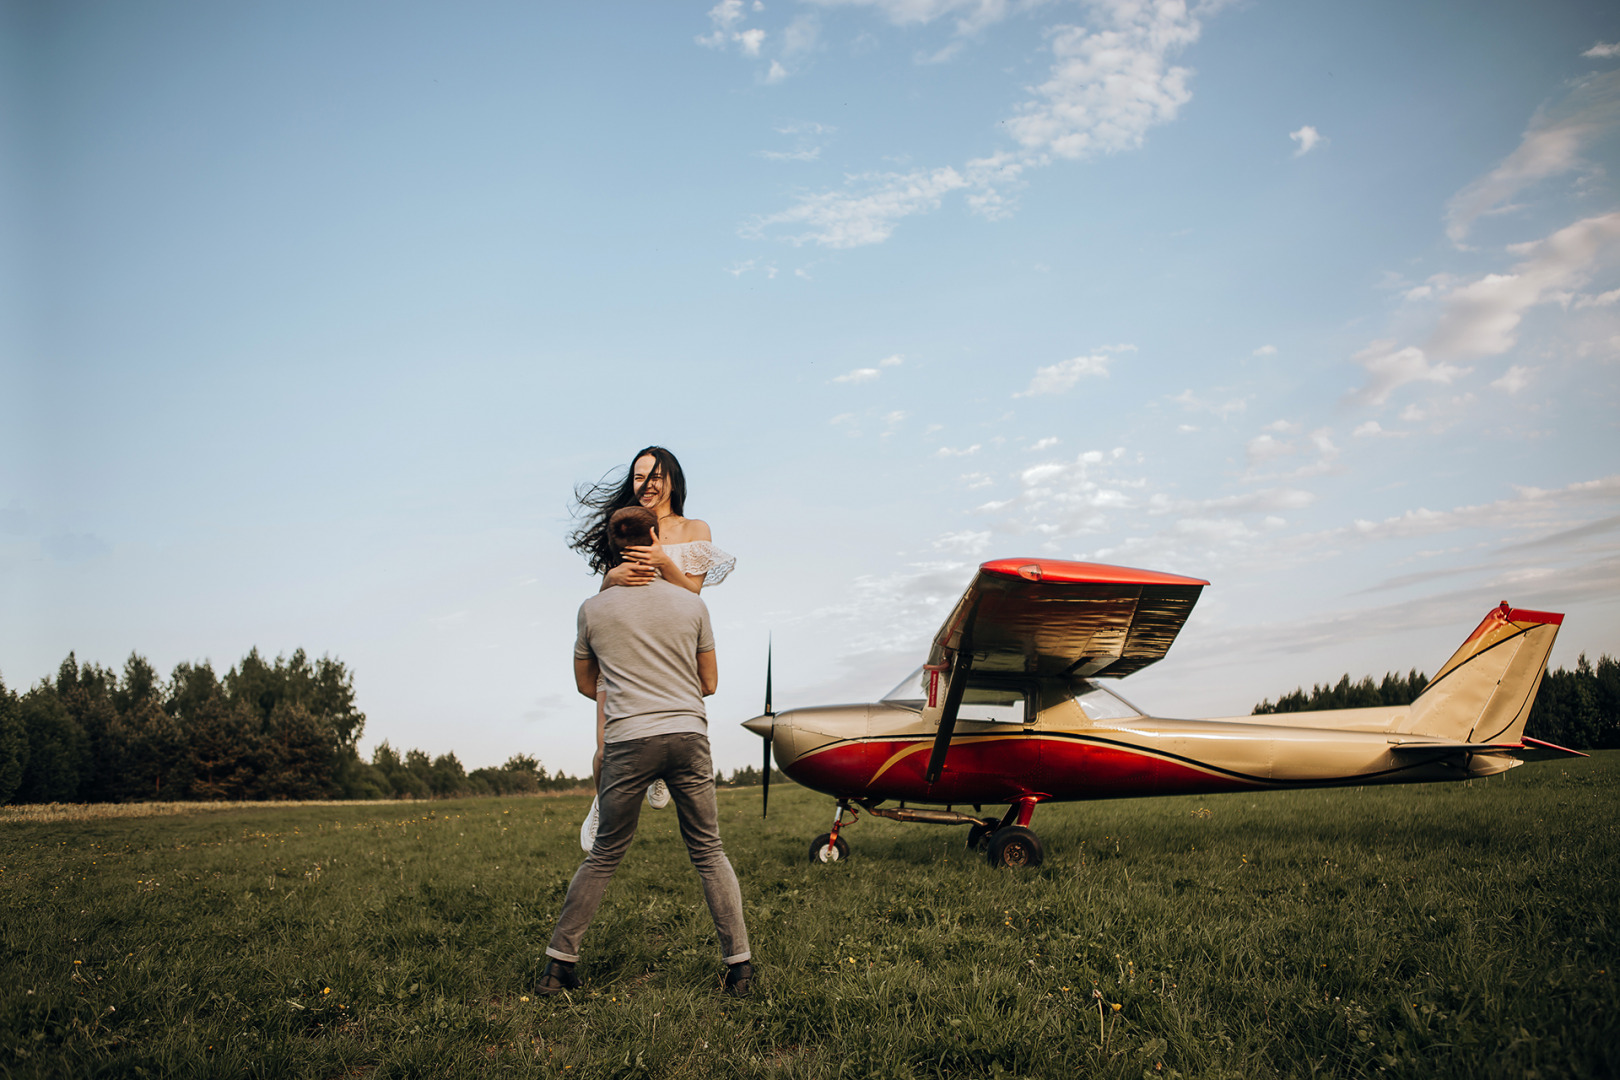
[1008, 711]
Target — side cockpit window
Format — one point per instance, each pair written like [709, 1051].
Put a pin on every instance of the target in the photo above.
[997, 704]
[1100, 704]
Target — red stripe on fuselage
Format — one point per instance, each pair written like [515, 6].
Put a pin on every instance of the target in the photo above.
[1002, 768]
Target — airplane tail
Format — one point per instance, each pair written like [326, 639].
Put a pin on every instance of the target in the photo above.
[1484, 692]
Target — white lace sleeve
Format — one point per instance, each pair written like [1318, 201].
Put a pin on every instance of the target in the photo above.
[702, 557]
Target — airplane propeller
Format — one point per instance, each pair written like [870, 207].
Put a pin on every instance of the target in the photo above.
[764, 726]
[765, 801]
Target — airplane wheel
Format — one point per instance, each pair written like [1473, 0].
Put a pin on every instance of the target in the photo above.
[979, 837]
[1015, 846]
[820, 854]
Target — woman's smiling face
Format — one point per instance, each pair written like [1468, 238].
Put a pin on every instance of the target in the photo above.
[648, 478]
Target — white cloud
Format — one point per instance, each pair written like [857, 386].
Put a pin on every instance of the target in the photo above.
[1389, 368]
[965, 543]
[865, 212]
[1058, 378]
[1372, 429]
[800, 36]
[1108, 83]
[1263, 448]
[1046, 443]
[1513, 380]
[1603, 50]
[1223, 409]
[971, 15]
[776, 73]
[859, 375]
[1607, 299]
[1551, 146]
[1266, 350]
[1419, 292]
[975, 480]
[891, 361]
[1481, 317]
[749, 41]
[1307, 137]
[946, 451]
[812, 153]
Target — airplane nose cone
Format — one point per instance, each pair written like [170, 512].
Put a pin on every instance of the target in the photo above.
[761, 725]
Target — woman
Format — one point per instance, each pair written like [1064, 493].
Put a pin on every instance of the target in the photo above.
[682, 552]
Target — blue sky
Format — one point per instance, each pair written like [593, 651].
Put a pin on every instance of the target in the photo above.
[313, 315]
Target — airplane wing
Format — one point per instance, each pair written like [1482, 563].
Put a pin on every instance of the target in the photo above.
[1050, 617]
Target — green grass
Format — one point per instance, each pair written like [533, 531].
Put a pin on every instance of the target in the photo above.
[1450, 930]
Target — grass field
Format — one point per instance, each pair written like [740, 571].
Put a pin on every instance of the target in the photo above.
[1451, 930]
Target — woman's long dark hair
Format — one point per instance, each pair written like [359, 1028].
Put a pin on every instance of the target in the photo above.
[596, 503]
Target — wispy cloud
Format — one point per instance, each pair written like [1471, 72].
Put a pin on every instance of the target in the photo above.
[1603, 50]
[1482, 316]
[1223, 409]
[1059, 378]
[1551, 146]
[1389, 368]
[859, 375]
[1513, 380]
[1109, 82]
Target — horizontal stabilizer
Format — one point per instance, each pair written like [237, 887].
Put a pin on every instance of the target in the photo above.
[1536, 750]
[1528, 750]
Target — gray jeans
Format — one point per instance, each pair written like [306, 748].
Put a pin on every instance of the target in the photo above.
[682, 761]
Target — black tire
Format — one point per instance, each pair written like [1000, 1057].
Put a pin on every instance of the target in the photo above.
[979, 837]
[820, 854]
[1016, 847]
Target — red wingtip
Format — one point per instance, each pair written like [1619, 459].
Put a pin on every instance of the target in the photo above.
[1082, 573]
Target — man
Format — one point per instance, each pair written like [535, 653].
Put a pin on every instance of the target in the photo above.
[653, 649]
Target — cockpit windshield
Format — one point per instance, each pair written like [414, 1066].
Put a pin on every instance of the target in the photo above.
[1096, 702]
[911, 693]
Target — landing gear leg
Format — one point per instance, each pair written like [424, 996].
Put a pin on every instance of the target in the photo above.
[829, 846]
[1016, 845]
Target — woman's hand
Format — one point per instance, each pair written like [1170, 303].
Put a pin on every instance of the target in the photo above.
[630, 573]
[654, 556]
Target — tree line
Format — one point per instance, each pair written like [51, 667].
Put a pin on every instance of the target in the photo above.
[286, 729]
[1579, 709]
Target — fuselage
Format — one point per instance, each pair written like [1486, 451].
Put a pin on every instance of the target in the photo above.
[1073, 740]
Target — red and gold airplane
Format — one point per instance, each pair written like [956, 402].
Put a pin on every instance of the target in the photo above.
[1007, 711]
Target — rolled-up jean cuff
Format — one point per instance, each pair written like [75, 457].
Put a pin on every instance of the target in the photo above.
[739, 958]
[565, 958]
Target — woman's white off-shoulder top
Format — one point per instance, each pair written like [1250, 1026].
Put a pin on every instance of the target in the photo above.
[701, 557]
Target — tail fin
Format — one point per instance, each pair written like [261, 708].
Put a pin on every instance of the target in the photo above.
[1484, 692]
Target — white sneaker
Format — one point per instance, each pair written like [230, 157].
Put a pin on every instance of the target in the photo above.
[658, 795]
[587, 831]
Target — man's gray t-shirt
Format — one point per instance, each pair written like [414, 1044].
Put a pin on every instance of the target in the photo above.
[646, 639]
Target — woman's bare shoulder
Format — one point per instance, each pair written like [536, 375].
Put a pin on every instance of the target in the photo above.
[682, 530]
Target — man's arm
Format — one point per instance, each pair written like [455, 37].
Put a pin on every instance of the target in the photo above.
[586, 674]
[708, 672]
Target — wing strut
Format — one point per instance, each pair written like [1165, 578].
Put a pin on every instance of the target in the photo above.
[962, 664]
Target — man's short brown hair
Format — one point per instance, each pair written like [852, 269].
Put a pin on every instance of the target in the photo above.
[631, 526]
